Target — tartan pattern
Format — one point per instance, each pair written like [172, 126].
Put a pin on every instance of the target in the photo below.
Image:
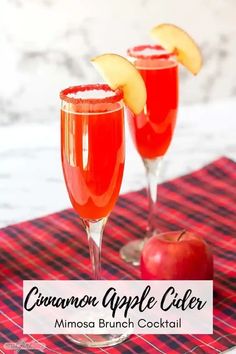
[55, 247]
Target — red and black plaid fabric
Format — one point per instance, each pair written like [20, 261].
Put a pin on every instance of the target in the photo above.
[55, 247]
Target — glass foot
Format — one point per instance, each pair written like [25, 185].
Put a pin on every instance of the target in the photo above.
[97, 340]
[131, 252]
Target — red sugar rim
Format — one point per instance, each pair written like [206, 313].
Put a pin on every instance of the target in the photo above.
[118, 94]
[134, 52]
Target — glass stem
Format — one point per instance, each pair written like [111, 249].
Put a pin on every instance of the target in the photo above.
[94, 230]
[152, 167]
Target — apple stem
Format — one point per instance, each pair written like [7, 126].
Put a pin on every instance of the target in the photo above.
[182, 233]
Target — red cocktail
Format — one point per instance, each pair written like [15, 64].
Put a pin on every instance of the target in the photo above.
[92, 150]
[152, 130]
[92, 141]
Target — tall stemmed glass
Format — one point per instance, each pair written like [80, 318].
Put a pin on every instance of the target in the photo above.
[92, 151]
[152, 130]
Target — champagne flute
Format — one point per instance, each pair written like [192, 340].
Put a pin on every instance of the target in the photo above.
[93, 155]
[152, 130]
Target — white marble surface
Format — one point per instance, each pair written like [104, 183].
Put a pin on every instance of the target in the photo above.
[31, 182]
[46, 45]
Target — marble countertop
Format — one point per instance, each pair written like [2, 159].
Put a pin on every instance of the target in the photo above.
[31, 181]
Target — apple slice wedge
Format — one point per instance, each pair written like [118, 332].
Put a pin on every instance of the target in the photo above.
[177, 41]
[119, 73]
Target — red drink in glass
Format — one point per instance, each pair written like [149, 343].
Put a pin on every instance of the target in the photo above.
[93, 155]
[152, 130]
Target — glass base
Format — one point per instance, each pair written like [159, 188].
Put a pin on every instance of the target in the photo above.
[131, 252]
[97, 340]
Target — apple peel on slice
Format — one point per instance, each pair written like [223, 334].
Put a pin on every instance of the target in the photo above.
[177, 41]
[119, 73]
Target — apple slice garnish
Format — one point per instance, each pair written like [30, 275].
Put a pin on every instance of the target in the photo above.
[119, 73]
[177, 41]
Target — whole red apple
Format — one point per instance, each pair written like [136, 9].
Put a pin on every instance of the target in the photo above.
[178, 255]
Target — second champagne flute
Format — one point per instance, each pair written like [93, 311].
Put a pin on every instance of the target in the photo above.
[152, 130]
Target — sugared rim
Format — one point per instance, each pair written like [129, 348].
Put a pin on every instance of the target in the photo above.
[118, 95]
[135, 52]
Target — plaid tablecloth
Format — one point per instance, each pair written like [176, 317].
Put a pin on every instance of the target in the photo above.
[55, 247]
